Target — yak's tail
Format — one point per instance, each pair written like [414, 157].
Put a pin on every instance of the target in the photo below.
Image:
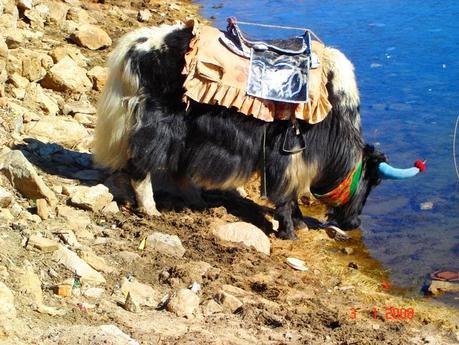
[122, 96]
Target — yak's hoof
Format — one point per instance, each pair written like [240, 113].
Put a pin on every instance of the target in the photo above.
[287, 235]
[152, 212]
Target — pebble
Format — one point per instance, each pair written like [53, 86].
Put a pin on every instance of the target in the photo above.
[44, 244]
[131, 304]
[228, 301]
[183, 303]
[42, 209]
[166, 244]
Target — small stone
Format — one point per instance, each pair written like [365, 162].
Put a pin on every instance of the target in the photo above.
[183, 303]
[245, 233]
[98, 76]
[438, 287]
[348, 250]
[6, 198]
[42, 209]
[131, 304]
[68, 237]
[18, 81]
[353, 265]
[111, 208]
[24, 4]
[30, 285]
[77, 219]
[91, 37]
[128, 257]
[96, 262]
[95, 293]
[91, 198]
[18, 93]
[74, 53]
[14, 38]
[228, 301]
[44, 244]
[428, 205]
[166, 244]
[6, 215]
[83, 107]
[211, 307]
[75, 264]
[66, 75]
[143, 294]
[144, 15]
[86, 120]
[336, 233]
[7, 308]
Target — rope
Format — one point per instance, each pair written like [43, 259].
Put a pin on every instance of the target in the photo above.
[454, 146]
[264, 192]
[280, 27]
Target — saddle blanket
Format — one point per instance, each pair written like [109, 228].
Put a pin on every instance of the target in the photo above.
[216, 75]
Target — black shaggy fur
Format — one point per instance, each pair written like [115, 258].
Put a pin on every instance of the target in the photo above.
[209, 144]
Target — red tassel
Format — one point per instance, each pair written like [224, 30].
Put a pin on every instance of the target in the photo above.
[420, 165]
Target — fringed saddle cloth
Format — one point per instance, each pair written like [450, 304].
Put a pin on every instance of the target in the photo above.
[216, 75]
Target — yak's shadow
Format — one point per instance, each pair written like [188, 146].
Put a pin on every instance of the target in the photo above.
[55, 159]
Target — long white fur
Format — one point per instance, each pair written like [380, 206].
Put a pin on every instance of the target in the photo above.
[122, 97]
[343, 82]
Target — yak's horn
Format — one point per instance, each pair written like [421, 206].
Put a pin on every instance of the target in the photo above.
[390, 173]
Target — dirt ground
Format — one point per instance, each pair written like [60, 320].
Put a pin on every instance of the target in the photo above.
[342, 298]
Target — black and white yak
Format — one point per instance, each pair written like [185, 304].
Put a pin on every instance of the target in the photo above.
[143, 127]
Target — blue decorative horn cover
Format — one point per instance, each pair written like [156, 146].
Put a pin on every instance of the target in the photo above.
[390, 173]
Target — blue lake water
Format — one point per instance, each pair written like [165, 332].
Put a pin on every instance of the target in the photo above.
[406, 56]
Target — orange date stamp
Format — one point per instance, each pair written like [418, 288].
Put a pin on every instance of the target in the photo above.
[390, 313]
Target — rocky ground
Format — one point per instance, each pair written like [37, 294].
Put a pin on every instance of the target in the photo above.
[79, 266]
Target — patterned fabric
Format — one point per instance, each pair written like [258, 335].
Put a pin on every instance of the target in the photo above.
[344, 191]
[215, 75]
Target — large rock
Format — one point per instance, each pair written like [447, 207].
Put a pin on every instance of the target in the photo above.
[75, 264]
[245, 233]
[166, 244]
[66, 75]
[24, 178]
[143, 294]
[91, 198]
[57, 12]
[66, 132]
[91, 37]
[183, 303]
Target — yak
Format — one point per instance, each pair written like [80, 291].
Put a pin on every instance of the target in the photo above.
[144, 127]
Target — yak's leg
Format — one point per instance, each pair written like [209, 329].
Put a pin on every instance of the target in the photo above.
[144, 196]
[283, 214]
[297, 217]
[192, 195]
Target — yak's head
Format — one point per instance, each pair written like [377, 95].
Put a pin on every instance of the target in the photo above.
[374, 169]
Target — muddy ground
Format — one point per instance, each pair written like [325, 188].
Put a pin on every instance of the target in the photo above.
[342, 298]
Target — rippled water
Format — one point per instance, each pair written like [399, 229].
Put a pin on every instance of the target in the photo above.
[406, 55]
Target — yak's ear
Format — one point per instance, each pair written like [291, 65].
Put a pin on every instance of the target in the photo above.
[388, 172]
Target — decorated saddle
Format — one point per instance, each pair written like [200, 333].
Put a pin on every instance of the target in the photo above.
[259, 79]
